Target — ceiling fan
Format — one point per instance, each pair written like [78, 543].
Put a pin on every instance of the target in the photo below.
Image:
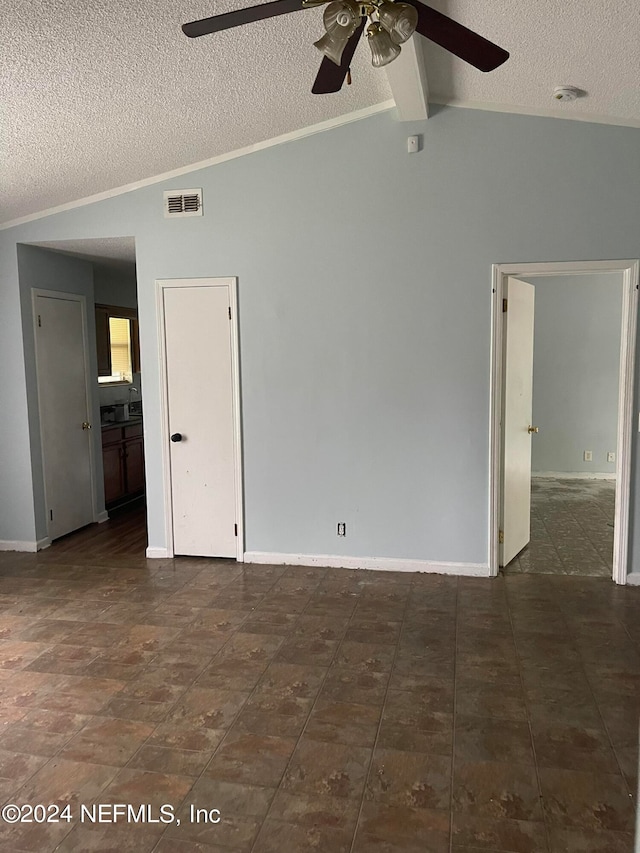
[390, 24]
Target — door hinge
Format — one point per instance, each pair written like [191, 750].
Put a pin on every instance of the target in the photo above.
[229, 312]
[504, 306]
[235, 528]
[39, 321]
[50, 515]
[501, 537]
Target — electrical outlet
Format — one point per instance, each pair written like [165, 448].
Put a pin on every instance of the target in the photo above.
[611, 457]
[342, 528]
[588, 456]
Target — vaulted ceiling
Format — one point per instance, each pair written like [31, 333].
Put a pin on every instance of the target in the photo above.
[102, 94]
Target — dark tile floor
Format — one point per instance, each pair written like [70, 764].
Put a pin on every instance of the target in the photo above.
[318, 709]
[571, 528]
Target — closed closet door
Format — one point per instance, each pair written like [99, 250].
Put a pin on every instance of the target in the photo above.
[199, 388]
[64, 412]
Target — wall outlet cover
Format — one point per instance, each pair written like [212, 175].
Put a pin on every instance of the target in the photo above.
[588, 456]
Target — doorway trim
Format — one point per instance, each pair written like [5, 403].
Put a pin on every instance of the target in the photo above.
[630, 270]
[70, 297]
[231, 283]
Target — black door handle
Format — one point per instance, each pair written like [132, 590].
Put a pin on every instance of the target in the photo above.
[177, 436]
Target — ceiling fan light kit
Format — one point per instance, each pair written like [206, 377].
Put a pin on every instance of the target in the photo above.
[383, 50]
[390, 24]
[333, 43]
[341, 13]
[341, 19]
[399, 20]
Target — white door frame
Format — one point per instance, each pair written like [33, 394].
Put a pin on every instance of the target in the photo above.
[231, 283]
[630, 270]
[74, 297]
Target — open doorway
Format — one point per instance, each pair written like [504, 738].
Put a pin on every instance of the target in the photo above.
[101, 273]
[571, 517]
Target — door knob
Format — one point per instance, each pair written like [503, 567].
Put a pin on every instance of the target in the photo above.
[86, 425]
[533, 429]
[177, 436]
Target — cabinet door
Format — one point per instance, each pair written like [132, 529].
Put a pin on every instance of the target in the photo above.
[103, 341]
[134, 459]
[113, 463]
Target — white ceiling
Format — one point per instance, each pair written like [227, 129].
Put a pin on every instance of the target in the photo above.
[115, 252]
[99, 95]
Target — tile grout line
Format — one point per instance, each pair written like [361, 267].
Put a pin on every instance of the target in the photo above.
[382, 709]
[255, 688]
[119, 769]
[532, 739]
[552, 540]
[193, 683]
[307, 718]
[78, 733]
[632, 793]
[57, 753]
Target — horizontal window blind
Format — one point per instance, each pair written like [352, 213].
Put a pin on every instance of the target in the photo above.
[120, 333]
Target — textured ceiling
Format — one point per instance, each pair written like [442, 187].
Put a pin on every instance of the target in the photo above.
[593, 45]
[98, 95]
[115, 252]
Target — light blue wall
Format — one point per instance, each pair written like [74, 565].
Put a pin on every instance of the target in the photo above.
[17, 515]
[115, 286]
[576, 363]
[45, 270]
[364, 308]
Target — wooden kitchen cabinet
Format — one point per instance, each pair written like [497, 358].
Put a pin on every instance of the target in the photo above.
[103, 343]
[134, 461]
[123, 462]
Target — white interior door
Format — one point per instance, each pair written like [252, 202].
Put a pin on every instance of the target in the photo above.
[199, 377]
[64, 412]
[517, 397]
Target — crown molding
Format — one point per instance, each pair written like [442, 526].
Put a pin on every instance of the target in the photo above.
[293, 135]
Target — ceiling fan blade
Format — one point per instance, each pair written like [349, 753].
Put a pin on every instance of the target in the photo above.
[474, 49]
[330, 77]
[239, 17]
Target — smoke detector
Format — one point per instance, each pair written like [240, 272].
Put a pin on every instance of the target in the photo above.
[566, 93]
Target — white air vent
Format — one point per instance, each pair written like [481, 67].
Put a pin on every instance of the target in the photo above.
[182, 203]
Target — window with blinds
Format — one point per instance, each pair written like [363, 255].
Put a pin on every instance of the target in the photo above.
[120, 344]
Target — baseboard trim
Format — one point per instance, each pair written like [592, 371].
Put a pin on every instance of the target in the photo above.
[43, 543]
[158, 554]
[102, 517]
[380, 564]
[17, 545]
[573, 475]
[633, 579]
